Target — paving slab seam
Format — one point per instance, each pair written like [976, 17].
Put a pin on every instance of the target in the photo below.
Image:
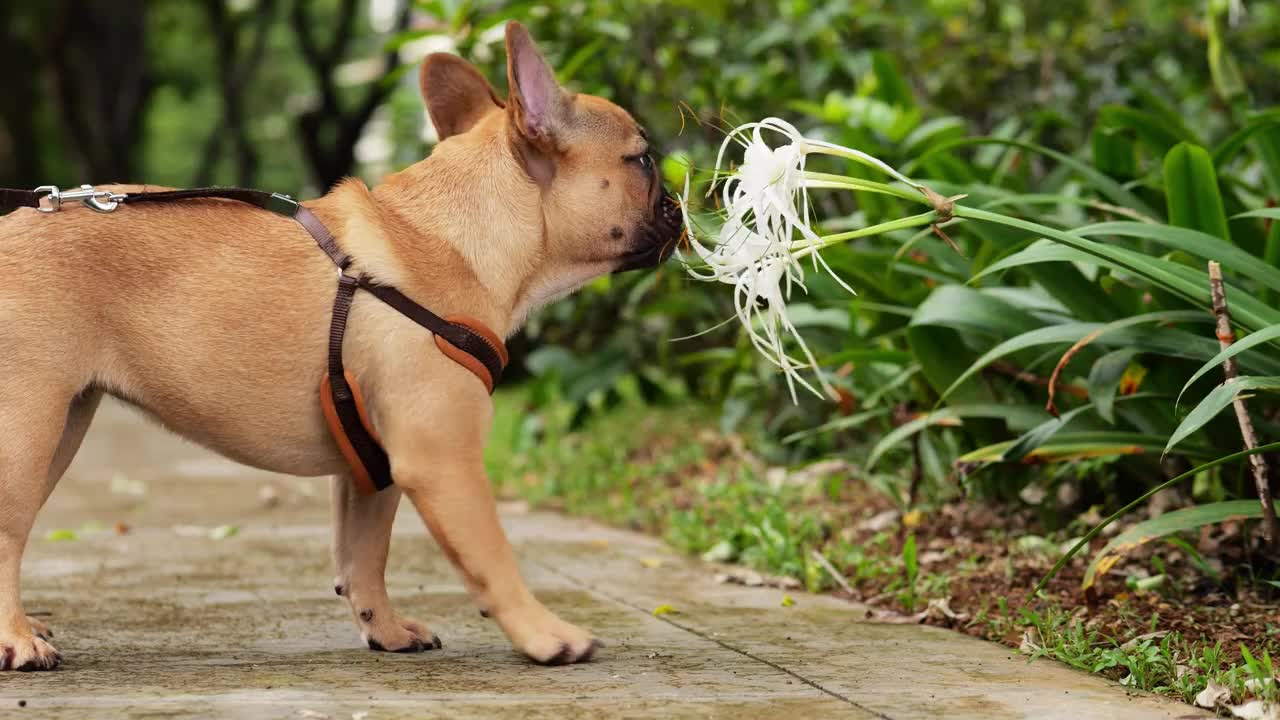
[698, 633]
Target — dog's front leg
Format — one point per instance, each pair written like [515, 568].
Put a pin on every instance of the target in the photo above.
[361, 539]
[454, 498]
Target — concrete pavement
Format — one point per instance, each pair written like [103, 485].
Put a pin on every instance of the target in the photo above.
[164, 620]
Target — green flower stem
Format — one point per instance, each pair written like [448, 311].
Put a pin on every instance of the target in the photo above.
[858, 157]
[804, 248]
[827, 180]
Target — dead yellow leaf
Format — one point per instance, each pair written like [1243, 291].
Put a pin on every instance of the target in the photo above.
[664, 610]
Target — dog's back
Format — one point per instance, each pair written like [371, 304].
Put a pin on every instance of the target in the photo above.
[87, 300]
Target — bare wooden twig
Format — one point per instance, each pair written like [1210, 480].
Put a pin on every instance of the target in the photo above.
[831, 570]
[1226, 336]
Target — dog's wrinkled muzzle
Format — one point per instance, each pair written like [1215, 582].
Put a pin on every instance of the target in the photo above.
[660, 237]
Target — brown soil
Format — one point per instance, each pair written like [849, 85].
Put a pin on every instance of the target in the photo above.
[979, 553]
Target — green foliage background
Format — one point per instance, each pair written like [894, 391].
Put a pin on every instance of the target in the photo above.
[1154, 114]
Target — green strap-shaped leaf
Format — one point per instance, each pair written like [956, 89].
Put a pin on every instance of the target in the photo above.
[1114, 152]
[1037, 436]
[1186, 282]
[1041, 251]
[1014, 415]
[1216, 401]
[1114, 191]
[1191, 191]
[1227, 149]
[1273, 213]
[1149, 128]
[1193, 242]
[1071, 332]
[1167, 524]
[1104, 380]
[1249, 341]
[963, 307]
[1068, 446]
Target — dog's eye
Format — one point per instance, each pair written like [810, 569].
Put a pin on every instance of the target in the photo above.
[644, 160]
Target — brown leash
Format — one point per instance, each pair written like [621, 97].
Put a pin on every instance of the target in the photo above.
[464, 340]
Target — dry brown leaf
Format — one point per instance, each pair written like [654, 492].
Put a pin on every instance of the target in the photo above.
[1031, 641]
[1212, 695]
[1255, 710]
[1146, 636]
[880, 521]
[940, 608]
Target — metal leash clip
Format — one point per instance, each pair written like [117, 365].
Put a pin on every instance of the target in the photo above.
[100, 200]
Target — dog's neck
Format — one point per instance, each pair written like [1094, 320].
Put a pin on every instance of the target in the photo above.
[475, 200]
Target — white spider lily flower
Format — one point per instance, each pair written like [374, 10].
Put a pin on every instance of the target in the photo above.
[768, 231]
[762, 270]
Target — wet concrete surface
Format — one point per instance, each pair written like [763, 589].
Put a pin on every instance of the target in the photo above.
[166, 621]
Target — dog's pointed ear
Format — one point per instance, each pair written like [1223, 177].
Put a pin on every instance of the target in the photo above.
[536, 103]
[456, 94]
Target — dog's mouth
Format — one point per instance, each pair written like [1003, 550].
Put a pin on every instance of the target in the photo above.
[658, 239]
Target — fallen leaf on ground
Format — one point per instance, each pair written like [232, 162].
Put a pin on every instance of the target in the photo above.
[222, 532]
[122, 485]
[787, 601]
[879, 521]
[1134, 643]
[821, 470]
[268, 496]
[751, 578]
[60, 535]
[1034, 544]
[664, 610]
[912, 519]
[1213, 694]
[720, 552]
[1258, 685]
[1031, 642]
[1256, 710]
[1033, 494]
[651, 562]
[122, 528]
[940, 608]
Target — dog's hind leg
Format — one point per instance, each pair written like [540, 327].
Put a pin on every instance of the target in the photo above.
[42, 432]
[361, 541]
[79, 416]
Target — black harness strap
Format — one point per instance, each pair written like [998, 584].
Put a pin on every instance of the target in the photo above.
[370, 452]
[12, 199]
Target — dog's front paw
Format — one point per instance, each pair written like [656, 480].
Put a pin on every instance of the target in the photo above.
[546, 639]
[28, 653]
[397, 634]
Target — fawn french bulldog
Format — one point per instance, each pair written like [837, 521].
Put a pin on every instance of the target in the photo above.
[212, 317]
